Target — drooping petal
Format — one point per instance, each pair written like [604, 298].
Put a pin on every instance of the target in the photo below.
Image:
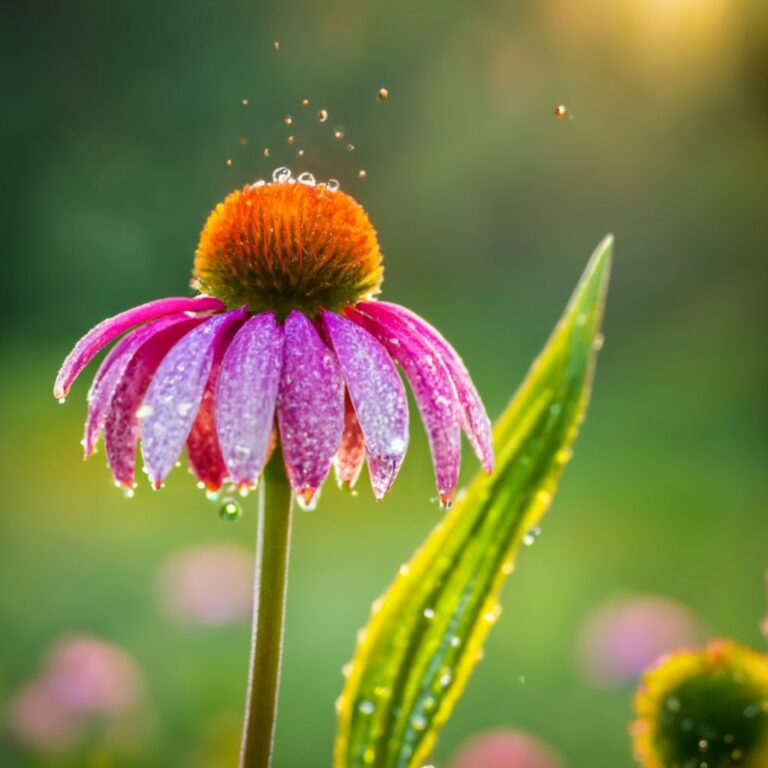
[111, 372]
[310, 406]
[348, 460]
[174, 395]
[432, 389]
[203, 449]
[109, 329]
[474, 418]
[246, 396]
[378, 396]
[121, 427]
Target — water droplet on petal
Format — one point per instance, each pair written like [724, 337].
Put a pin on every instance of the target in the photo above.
[429, 613]
[144, 411]
[230, 511]
[281, 175]
[332, 184]
[306, 178]
[367, 707]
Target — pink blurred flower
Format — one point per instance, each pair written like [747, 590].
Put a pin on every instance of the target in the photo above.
[624, 635]
[82, 677]
[505, 748]
[208, 585]
[284, 334]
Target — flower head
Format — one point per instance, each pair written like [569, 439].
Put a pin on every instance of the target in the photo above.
[285, 341]
[704, 708]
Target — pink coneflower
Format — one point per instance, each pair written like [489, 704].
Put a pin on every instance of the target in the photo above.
[285, 337]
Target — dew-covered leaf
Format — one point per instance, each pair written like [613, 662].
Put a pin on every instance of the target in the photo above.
[426, 634]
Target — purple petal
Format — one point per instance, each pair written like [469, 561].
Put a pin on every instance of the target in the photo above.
[111, 372]
[432, 390]
[174, 395]
[310, 406]
[246, 396]
[378, 395]
[203, 449]
[109, 329]
[121, 428]
[472, 413]
[349, 459]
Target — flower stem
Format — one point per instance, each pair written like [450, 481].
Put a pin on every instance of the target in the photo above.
[269, 590]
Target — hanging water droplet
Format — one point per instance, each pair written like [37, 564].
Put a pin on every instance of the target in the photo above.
[288, 120]
[306, 178]
[322, 115]
[128, 492]
[308, 499]
[383, 94]
[230, 511]
[338, 132]
[367, 707]
[62, 400]
[281, 175]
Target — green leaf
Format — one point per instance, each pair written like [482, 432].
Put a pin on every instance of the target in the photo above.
[426, 634]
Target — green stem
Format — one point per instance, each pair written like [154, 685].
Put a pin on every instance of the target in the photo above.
[269, 590]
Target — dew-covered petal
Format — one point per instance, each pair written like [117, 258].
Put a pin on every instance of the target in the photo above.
[246, 396]
[474, 418]
[108, 330]
[174, 395]
[378, 396]
[310, 406]
[113, 369]
[348, 460]
[121, 427]
[203, 449]
[432, 389]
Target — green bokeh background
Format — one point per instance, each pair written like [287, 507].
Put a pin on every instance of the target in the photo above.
[118, 121]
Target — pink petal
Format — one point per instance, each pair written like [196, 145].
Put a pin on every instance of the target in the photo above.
[111, 372]
[174, 395]
[432, 390]
[472, 413]
[349, 459]
[109, 329]
[246, 396]
[121, 428]
[203, 449]
[378, 396]
[310, 406]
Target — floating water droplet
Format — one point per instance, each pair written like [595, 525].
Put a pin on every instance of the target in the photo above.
[322, 115]
[750, 712]
[350, 147]
[230, 511]
[288, 120]
[266, 151]
[128, 492]
[291, 140]
[521, 679]
[281, 175]
[383, 94]
[245, 102]
[367, 707]
[362, 173]
[703, 745]
[306, 178]
[338, 132]
[561, 111]
[229, 162]
[300, 153]
[305, 102]
[276, 45]
[332, 184]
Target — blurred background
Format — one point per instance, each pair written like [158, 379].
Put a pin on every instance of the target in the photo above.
[125, 621]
